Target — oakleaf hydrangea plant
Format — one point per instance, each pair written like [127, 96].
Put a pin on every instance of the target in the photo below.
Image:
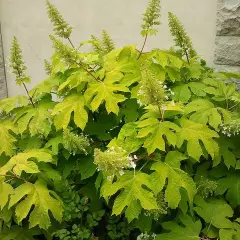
[120, 143]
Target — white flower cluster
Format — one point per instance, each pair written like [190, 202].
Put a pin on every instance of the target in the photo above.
[113, 161]
[146, 236]
[230, 129]
[153, 92]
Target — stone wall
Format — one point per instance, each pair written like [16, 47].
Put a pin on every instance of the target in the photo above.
[3, 86]
[227, 51]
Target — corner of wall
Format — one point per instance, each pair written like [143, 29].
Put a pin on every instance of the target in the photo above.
[3, 84]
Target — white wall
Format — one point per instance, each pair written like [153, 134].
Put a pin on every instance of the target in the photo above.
[27, 19]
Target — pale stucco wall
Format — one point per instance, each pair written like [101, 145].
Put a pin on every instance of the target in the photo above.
[27, 20]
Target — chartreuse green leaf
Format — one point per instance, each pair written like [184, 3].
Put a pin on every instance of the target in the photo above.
[37, 120]
[153, 131]
[191, 229]
[45, 87]
[120, 70]
[167, 58]
[54, 143]
[86, 167]
[226, 148]
[133, 196]
[5, 191]
[215, 211]
[203, 111]
[109, 92]
[6, 215]
[119, 63]
[176, 179]
[28, 195]
[127, 138]
[76, 80]
[184, 92]
[7, 140]
[22, 161]
[9, 104]
[196, 134]
[220, 90]
[130, 110]
[19, 233]
[227, 234]
[74, 103]
[230, 234]
[230, 184]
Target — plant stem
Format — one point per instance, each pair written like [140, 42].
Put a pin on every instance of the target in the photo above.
[89, 72]
[29, 97]
[24, 85]
[161, 113]
[233, 106]
[184, 49]
[81, 64]
[144, 43]
[187, 56]
[14, 176]
[143, 165]
[70, 42]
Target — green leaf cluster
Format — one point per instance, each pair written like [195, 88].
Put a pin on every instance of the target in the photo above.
[120, 143]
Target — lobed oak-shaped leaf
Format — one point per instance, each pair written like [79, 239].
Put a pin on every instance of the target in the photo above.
[74, 103]
[195, 134]
[169, 171]
[109, 92]
[5, 191]
[19, 233]
[230, 185]
[203, 111]
[7, 140]
[9, 104]
[76, 80]
[127, 138]
[225, 153]
[54, 143]
[37, 120]
[133, 196]
[154, 131]
[28, 195]
[21, 162]
[191, 229]
[184, 92]
[215, 212]
[45, 87]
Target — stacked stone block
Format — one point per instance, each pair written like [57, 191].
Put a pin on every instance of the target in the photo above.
[227, 51]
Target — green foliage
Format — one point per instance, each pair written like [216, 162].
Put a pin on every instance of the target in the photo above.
[215, 212]
[133, 197]
[177, 179]
[120, 143]
[190, 230]
[39, 196]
